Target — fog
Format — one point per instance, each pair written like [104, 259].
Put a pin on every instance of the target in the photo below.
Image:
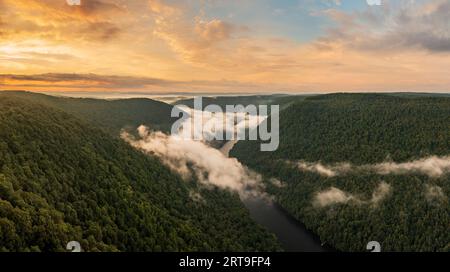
[433, 166]
[196, 159]
[334, 196]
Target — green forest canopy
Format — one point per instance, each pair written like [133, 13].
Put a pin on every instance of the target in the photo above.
[110, 115]
[61, 179]
[362, 129]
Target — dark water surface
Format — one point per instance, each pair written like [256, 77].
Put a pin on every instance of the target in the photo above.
[293, 235]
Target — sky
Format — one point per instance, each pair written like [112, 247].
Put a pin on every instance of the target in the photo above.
[225, 46]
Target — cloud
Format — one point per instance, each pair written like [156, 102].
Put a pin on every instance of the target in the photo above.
[405, 25]
[196, 159]
[433, 167]
[217, 44]
[87, 82]
[341, 59]
[56, 20]
[218, 125]
[80, 81]
[328, 171]
[97, 7]
[335, 196]
[380, 193]
[332, 196]
[277, 183]
[435, 193]
[378, 49]
[214, 30]
[195, 39]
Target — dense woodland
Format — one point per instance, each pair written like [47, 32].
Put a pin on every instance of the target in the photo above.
[362, 129]
[62, 179]
[282, 100]
[65, 176]
[109, 115]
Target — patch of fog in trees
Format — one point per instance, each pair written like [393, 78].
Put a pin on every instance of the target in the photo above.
[336, 196]
[197, 159]
[190, 157]
[433, 166]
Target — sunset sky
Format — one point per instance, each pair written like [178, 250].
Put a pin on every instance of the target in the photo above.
[241, 46]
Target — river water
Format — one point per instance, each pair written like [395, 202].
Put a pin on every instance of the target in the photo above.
[292, 234]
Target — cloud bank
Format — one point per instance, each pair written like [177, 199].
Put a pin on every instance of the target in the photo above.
[335, 196]
[216, 126]
[196, 159]
[56, 19]
[324, 170]
[228, 46]
[433, 167]
[398, 26]
[332, 196]
[91, 81]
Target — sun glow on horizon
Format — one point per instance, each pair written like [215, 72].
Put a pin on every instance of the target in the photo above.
[224, 46]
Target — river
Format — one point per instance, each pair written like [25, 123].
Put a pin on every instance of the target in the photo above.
[292, 234]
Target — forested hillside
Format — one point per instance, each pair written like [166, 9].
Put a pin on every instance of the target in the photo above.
[362, 129]
[281, 100]
[61, 179]
[110, 115]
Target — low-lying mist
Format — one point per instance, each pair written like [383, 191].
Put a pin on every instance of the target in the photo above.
[337, 196]
[433, 166]
[196, 159]
[193, 158]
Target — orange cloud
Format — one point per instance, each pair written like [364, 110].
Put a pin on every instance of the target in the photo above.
[87, 82]
[214, 30]
[174, 41]
[195, 39]
[55, 19]
[221, 47]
